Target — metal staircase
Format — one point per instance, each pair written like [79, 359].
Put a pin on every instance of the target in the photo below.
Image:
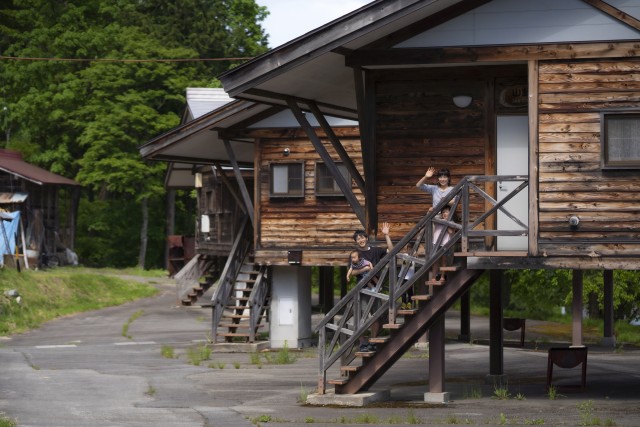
[241, 300]
[353, 316]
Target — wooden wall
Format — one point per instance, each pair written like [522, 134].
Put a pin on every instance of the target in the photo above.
[417, 126]
[321, 227]
[571, 180]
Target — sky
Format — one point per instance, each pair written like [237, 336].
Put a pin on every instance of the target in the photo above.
[289, 19]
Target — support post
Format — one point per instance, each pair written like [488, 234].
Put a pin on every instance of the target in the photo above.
[326, 286]
[496, 335]
[436, 392]
[576, 311]
[609, 338]
[465, 317]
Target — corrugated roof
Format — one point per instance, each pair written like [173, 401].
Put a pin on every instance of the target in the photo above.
[11, 162]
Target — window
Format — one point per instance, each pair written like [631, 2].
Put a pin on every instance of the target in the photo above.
[325, 184]
[287, 180]
[620, 140]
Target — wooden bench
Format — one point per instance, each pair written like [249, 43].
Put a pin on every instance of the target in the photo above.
[513, 324]
[567, 357]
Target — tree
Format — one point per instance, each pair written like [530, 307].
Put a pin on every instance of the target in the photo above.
[85, 119]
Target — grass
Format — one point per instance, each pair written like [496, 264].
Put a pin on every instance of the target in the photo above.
[125, 327]
[167, 352]
[7, 422]
[501, 393]
[196, 355]
[50, 294]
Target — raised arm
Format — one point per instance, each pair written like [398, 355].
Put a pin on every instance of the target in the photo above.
[385, 231]
[426, 176]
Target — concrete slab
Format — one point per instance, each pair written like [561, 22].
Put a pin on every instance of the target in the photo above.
[436, 397]
[353, 400]
[232, 347]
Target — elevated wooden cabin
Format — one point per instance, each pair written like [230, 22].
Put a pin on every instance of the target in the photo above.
[534, 106]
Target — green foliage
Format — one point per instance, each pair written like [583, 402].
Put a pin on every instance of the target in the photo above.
[86, 118]
[54, 293]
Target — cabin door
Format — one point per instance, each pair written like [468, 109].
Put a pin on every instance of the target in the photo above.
[512, 159]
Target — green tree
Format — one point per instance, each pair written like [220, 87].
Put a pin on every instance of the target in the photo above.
[85, 119]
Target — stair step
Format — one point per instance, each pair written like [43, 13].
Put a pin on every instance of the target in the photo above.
[249, 271]
[451, 268]
[350, 368]
[245, 280]
[365, 354]
[392, 326]
[522, 254]
[379, 340]
[237, 307]
[229, 334]
[338, 381]
[242, 289]
[235, 316]
[421, 297]
[239, 299]
[407, 311]
[234, 325]
[434, 282]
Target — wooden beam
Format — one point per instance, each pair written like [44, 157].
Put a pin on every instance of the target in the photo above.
[243, 187]
[344, 156]
[533, 157]
[506, 53]
[227, 183]
[615, 13]
[368, 144]
[328, 161]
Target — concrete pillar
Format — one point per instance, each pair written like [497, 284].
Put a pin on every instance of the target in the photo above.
[609, 338]
[496, 338]
[326, 282]
[576, 309]
[290, 307]
[465, 317]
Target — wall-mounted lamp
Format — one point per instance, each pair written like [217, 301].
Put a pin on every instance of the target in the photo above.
[286, 152]
[573, 222]
[462, 101]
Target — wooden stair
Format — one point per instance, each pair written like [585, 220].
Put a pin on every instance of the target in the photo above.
[198, 290]
[234, 323]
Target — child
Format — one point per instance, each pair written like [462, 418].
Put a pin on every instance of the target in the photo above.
[438, 230]
[358, 263]
[437, 191]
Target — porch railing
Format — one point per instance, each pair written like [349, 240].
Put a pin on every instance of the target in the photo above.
[341, 329]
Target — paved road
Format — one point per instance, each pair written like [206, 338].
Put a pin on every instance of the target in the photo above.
[81, 371]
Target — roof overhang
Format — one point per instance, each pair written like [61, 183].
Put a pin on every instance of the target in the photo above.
[312, 67]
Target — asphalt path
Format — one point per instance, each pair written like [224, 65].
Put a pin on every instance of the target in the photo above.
[81, 371]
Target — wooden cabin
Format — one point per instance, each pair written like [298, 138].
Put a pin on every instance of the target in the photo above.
[533, 106]
[34, 192]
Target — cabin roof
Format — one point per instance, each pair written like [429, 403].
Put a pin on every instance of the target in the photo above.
[312, 67]
[11, 162]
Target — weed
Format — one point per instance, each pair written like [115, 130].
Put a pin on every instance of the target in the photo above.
[151, 391]
[221, 365]
[236, 365]
[304, 393]
[196, 355]
[503, 419]
[262, 419]
[254, 358]
[7, 422]
[520, 396]
[201, 319]
[533, 422]
[609, 422]
[284, 357]
[309, 420]
[552, 392]
[586, 414]
[452, 419]
[501, 393]
[125, 327]
[366, 419]
[167, 352]
[413, 419]
[475, 392]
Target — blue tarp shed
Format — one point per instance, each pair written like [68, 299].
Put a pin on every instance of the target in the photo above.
[9, 221]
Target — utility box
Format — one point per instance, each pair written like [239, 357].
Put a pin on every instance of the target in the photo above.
[290, 322]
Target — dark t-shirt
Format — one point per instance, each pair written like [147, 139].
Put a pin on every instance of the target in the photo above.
[373, 254]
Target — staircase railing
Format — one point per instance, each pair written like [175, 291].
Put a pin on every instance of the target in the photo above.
[190, 274]
[341, 329]
[239, 251]
[258, 300]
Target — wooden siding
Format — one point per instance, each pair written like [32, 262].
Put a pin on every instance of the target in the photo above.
[571, 97]
[320, 226]
[417, 126]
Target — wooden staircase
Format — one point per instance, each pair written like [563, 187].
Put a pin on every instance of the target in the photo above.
[240, 302]
[352, 318]
[196, 278]
[241, 307]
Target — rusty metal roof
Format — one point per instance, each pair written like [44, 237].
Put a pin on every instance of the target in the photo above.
[11, 162]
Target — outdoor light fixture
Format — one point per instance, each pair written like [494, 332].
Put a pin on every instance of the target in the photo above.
[573, 222]
[286, 152]
[462, 101]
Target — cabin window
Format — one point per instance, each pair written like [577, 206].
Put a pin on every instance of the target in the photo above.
[620, 140]
[287, 179]
[325, 184]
